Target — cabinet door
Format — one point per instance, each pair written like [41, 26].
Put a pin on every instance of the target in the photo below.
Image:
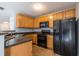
[38, 20]
[58, 16]
[20, 50]
[18, 21]
[7, 51]
[50, 41]
[36, 23]
[24, 21]
[50, 21]
[28, 22]
[13, 51]
[43, 18]
[69, 13]
[35, 38]
[54, 17]
[28, 48]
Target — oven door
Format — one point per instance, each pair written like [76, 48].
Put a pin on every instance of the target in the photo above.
[42, 41]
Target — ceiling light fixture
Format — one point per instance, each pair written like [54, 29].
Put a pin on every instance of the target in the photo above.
[38, 6]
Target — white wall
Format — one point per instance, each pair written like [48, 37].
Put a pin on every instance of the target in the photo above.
[4, 25]
[12, 23]
[1, 45]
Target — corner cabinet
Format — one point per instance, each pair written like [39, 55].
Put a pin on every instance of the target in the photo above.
[33, 37]
[38, 20]
[23, 21]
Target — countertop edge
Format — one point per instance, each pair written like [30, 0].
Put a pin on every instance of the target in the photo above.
[17, 43]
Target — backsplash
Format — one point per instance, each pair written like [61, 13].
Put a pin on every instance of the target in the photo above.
[24, 30]
[39, 29]
[32, 30]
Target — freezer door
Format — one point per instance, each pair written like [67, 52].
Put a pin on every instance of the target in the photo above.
[78, 37]
[56, 41]
[68, 37]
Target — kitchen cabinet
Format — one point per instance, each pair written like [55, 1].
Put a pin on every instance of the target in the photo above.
[50, 20]
[43, 18]
[23, 21]
[38, 20]
[64, 14]
[50, 41]
[58, 16]
[7, 51]
[33, 37]
[36, 23]
[69, 13]
[23, 49]
[55, 16]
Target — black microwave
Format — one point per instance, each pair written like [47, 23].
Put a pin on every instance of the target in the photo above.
[44, 24]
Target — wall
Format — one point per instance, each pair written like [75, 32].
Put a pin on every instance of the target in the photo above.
[12, 23]
[1, 45]
[4, 25]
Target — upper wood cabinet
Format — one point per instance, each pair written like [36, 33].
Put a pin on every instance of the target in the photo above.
[69, 13]
[43, 18]
[64, 14]
[55, 16]
[38, 20]
[58, 16]
[23, 21]
[36, 23]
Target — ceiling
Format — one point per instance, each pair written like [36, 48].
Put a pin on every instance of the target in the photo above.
[11, 8]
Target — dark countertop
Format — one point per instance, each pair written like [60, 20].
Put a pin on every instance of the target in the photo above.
[19, 41]
[51, 33]
[26, 33]
[25, 39]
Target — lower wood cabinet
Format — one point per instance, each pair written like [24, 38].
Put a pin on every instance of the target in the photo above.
[50, 41]
[7, 51]
[33, 37]
[23, 49]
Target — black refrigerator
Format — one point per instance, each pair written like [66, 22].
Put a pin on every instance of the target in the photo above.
[65, 37]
